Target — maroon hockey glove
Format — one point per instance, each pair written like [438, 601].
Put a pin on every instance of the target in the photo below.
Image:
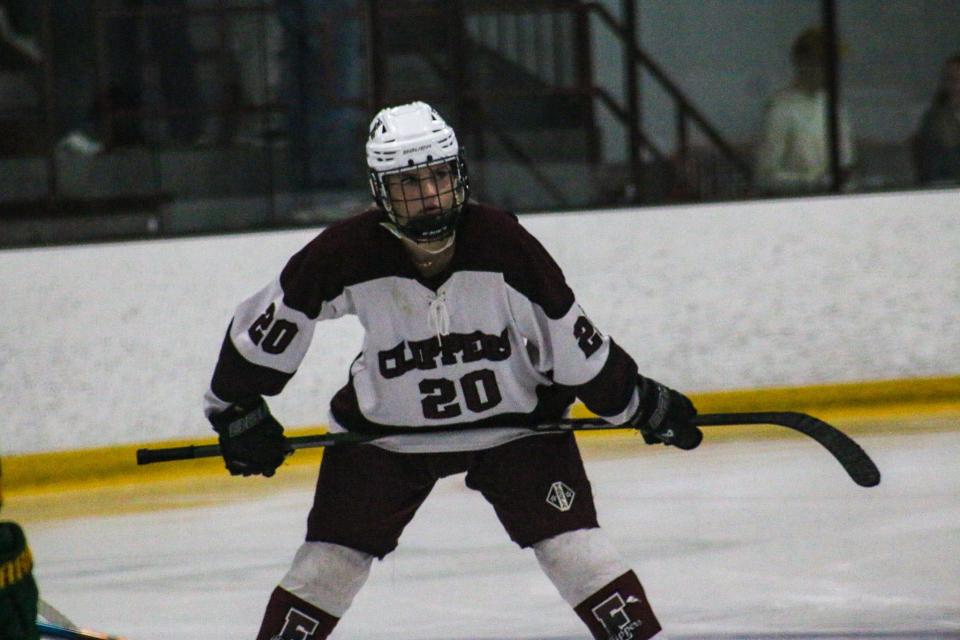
[251, 439]
[664, 416]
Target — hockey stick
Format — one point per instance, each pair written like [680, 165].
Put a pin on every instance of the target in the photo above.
[848, 453]
[51, 614]
[48, 630]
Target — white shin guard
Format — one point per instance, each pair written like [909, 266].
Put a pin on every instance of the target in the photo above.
[327, 576]
[579, 563]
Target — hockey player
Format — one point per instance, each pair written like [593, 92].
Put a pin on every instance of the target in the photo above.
[469, 325]
[18, 590]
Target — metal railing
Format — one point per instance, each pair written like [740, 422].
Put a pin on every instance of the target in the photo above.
[686, 114]
[530, 50]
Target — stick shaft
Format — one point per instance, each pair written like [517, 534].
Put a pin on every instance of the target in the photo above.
[49, 630]
[313, 441]
[848, 453]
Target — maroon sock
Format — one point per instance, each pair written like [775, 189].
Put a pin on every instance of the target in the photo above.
[619, 611]
[290, 618]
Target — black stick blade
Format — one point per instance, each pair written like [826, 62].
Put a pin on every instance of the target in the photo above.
[848, 453]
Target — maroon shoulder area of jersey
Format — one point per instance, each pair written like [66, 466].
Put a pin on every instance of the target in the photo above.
[352, 250]
[491, 239]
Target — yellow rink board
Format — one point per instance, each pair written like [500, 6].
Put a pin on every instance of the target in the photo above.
[855, 406]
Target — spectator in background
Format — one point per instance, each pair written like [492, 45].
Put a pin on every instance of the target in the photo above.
[71, 63]
[323, 73]
[256, 40]
[163, 26]
[937, 143]
[18, 41]
[794, 154]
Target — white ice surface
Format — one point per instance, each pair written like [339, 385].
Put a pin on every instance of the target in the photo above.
[737, 539]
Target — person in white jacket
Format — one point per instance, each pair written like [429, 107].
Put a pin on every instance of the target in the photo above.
[794, 152]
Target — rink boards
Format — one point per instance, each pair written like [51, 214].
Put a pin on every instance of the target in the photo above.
[920, 396]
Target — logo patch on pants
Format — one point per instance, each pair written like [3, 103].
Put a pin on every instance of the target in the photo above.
[560, 496]
[613, 616]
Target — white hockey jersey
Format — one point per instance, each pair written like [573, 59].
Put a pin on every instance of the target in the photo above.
[496, 341]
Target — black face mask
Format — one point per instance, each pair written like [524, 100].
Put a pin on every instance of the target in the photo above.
[434, 225]
[426, 228]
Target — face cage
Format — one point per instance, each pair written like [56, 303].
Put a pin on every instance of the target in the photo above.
[433, 226]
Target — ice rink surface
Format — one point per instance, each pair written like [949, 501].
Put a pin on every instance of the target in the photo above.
[742, 538]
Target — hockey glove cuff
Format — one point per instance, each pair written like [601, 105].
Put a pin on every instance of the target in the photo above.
[18, 591]
[251, 439]
[664, 416]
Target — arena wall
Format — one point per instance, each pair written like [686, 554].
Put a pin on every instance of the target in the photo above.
[114, 344]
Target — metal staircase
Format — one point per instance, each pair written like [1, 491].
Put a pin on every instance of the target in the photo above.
[516, 78]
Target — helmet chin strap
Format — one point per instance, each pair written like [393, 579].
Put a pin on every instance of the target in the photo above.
[435, 252]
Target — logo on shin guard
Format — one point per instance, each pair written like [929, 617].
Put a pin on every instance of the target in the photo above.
[298, 626]
[560, 496]
[611, 613]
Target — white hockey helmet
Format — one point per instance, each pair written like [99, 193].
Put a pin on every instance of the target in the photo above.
[408, 138]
